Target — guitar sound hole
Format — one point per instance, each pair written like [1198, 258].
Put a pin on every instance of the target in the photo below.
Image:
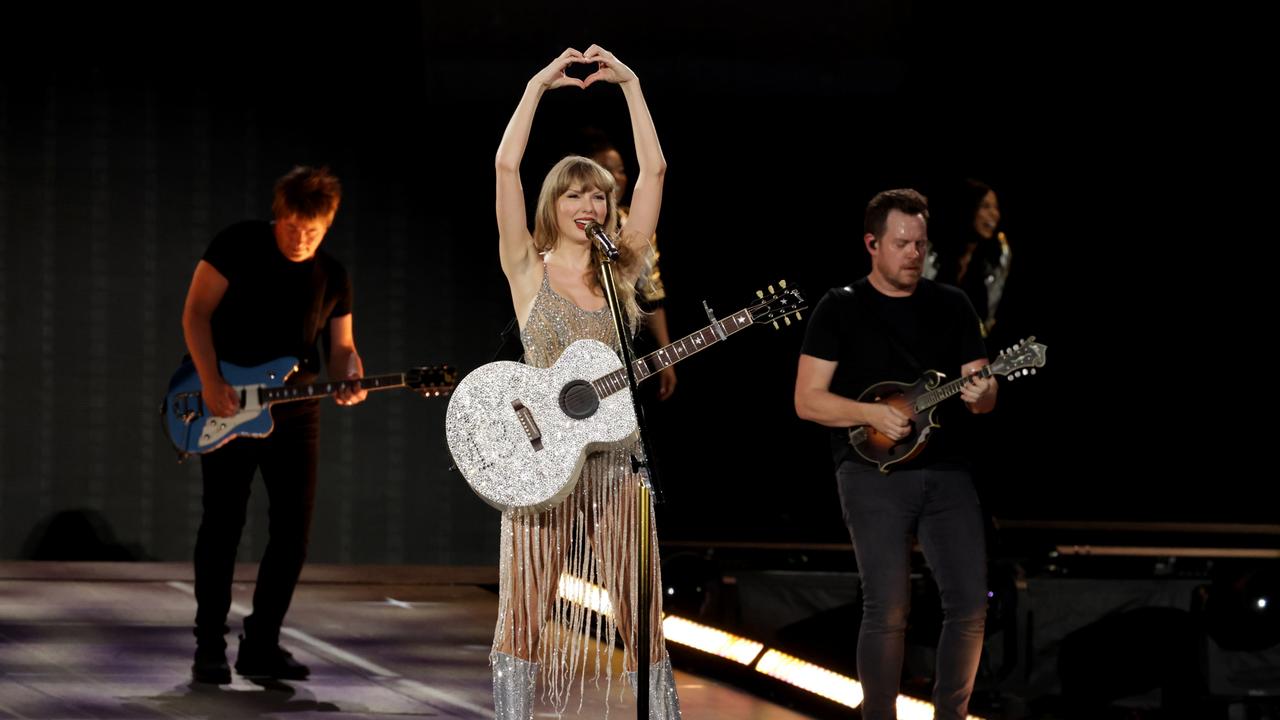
[578, 400]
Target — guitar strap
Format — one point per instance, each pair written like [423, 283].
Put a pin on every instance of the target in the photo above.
[321, 307]
[510, 347]
[869, 308]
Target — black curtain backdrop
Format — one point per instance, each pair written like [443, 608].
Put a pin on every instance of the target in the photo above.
[129, 136]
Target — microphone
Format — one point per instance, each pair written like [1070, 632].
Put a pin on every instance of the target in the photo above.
[596, 232]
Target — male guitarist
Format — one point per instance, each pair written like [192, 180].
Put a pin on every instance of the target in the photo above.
[262, 291]
[894, 325]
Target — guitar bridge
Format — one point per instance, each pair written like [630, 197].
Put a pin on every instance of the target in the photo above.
[183, 410]
[527, 422]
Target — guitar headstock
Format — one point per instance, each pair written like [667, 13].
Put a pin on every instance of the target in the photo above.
[1021, 359]
[432, 380]
[777, 305]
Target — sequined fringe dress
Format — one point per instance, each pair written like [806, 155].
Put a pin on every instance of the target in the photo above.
[590, 535]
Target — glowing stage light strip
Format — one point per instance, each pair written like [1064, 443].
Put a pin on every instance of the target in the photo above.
[807, 676]
[789, 669]
[710, 640]
[832, 685]
[579, 591]
[677, 629]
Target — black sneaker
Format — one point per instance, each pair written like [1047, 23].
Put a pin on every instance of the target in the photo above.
[268, 661]
[210, 666]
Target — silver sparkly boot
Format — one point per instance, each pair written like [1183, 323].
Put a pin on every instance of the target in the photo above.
[664, 703]
[514, 682]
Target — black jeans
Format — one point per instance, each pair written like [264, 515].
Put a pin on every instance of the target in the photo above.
[883, 513]
[287, 458]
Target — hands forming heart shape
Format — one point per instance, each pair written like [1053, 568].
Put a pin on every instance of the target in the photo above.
[608, 69]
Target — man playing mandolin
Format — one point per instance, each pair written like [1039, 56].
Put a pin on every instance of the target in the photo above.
[908, 477]
[264, 291]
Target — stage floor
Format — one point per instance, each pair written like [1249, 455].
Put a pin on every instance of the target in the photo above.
[113, 640]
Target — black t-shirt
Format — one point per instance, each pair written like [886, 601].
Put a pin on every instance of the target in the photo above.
[936, 325]
[273, 307]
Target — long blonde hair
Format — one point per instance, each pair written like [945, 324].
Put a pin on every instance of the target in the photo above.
[587, 174]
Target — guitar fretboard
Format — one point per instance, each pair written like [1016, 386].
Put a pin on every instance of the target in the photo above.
[686, 346]
[290, 393]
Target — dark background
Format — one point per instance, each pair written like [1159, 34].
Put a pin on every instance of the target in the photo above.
[129, 136]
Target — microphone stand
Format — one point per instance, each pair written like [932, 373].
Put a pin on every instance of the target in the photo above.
[644, 557]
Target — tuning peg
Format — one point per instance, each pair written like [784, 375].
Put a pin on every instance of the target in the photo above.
[782, 284]
[775, 324]
[770, 288]
[786, 321]
[760, 294]
[1033, 371]
[797, 316]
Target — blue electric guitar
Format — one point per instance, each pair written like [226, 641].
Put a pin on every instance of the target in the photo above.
[193, 431]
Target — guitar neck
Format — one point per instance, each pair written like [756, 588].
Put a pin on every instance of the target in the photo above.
[292, 393]
[942, 392]
[687, 346]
